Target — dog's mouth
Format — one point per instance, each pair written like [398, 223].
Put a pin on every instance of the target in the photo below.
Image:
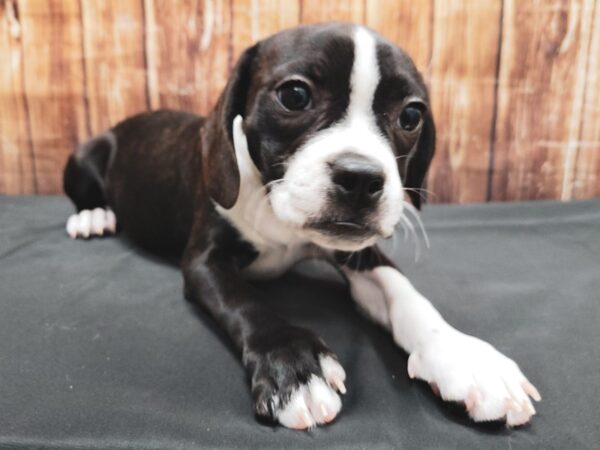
[344, 229]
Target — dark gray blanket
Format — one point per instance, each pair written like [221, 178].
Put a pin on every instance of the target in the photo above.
[98, 349]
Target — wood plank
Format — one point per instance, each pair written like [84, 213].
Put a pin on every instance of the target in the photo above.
[586, 182]
[463, 75]
[256, 19]
[188, 52]
[540, 97]
[54, 85]
[114, 60]
[547, 116]
[408, 24]
[17, 172]
[313, 11]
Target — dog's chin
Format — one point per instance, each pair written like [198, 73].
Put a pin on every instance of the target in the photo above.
[340, 235]
[348, 234]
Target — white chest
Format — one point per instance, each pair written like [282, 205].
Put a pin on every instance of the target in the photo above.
[279, 245]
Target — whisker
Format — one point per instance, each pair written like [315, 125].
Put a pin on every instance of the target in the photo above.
[349, 257]
[263, 205]
[273, 182]
[262, 190]
[395, 239]
[423, 197]
[415, 214]
[358, 255]
[411, 227]
[248, 208]
[404, 229]
[421, 192]
[429, 191]
[269, 186]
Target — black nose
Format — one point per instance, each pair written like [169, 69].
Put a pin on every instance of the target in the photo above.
[357, 179]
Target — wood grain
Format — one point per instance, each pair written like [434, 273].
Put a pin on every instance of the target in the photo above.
[407, 23]
[53, 85]
[17, 170]
[463, 94]
[514, 83]
[586, 180]
[254, 20]
[188, 51]
[115, 71]
[313, 11]
[540, 97]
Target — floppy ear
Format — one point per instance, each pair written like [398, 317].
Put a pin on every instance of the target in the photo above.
[419, 162]
[220, 171]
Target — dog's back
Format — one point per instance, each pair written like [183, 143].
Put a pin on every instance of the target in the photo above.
[145, 169]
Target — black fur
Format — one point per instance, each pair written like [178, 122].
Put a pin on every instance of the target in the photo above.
[84, 176]
[324, 55]
[366, 259]
[400, 81]
[162, 172]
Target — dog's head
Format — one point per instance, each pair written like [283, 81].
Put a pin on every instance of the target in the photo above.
[337, 122]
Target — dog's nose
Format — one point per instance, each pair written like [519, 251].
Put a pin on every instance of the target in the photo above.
[358, 179]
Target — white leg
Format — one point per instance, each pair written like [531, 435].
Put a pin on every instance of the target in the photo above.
[461, 367]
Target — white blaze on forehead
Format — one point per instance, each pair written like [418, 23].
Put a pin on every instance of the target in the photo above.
[365, 75]
[302, 196]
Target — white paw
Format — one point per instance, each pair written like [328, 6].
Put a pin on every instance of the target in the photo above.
[86, 223]
[315, 402]
[465, 369]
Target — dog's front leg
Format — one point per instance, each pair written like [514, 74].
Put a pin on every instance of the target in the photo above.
[461, 367]
[294, 376]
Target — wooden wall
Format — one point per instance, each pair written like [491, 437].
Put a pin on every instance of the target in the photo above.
[515, 84]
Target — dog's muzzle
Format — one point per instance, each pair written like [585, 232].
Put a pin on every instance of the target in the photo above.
[356, 186]
[358, 181]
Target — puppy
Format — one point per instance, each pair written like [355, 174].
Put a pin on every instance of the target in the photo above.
[308, 152]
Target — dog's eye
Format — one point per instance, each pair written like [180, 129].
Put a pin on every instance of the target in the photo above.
[411, 117]
[294, 95]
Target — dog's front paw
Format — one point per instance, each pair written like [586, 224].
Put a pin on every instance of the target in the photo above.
[296, 382]
[465, 369]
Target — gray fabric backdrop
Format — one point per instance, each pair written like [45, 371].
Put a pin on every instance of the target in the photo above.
[98, 349]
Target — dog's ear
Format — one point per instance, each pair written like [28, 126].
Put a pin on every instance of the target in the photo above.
[420, 160]
[220, 172]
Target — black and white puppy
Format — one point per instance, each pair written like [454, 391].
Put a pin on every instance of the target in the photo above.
[316, 137]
